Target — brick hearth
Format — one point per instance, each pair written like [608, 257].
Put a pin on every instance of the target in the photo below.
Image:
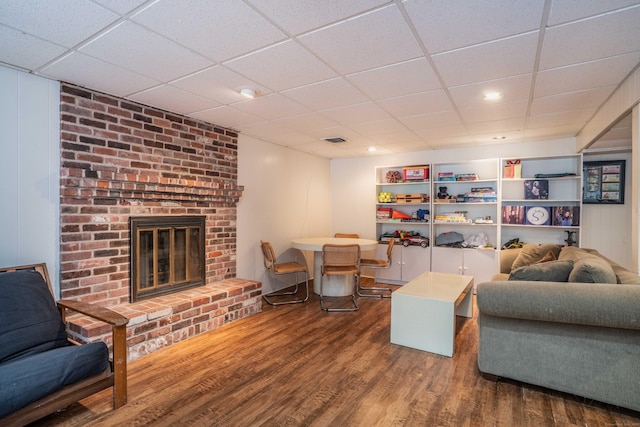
[123, 159]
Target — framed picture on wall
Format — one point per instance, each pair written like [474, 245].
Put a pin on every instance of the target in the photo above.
[603, 182]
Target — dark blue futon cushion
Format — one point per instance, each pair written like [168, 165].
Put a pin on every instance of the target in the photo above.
[35, 357]
[29, 320]
[30, 378]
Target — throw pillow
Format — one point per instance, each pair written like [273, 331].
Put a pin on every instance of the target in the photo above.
[551, 271]
[548, 257]
[530, 254]
[592, 270]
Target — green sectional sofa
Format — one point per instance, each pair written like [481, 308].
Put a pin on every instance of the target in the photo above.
[572, 336]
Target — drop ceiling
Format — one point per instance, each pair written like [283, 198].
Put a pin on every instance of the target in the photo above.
[400, 76]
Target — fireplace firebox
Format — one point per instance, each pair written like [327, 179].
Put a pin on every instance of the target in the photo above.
[167, 254]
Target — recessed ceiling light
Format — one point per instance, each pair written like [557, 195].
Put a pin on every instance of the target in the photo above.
[371, 149]
[492, 96]
[499, 137]
[249, 93]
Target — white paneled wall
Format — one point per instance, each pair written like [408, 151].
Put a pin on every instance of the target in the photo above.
[29, 170]
[286, 195]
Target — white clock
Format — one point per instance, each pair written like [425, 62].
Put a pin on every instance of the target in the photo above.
[538, 215]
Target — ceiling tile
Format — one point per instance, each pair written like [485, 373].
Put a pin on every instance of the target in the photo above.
[488, 61]
[267, 130]
[379, 127]
[426, 121]
[587, 40]
[395, 80]
[283, 66]
[226, 116]
[571, 10]
[326, 95]
[231, 27]
[424, 102]
[552, 132]
[441, 132]
[150, 55]
[561, 118]
[173, 99]
[43, 18]
[120, 6]
[367, 41]
[572, 100]
[219, 83]
[495, 111]
[472, 95]
[496, 126]
[271, 106]
[26, 51]
[604, 72]
[356, 113]
[99, 75]
[307, 122]
[298, 16]
[447, 25]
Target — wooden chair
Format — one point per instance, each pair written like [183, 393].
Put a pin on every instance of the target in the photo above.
[347, 235]
[340, 260]
[115, 375]
[271, 264]
[377, 264]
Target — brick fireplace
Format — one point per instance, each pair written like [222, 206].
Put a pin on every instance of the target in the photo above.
[122, 159]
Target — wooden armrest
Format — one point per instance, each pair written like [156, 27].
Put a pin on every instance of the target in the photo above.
[95, 311]
[119, 335]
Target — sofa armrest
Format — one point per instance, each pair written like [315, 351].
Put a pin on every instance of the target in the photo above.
[593, 304]
[118, 323]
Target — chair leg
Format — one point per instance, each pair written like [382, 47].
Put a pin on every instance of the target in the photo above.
[374, 288]
[353, 297]
[295, 291]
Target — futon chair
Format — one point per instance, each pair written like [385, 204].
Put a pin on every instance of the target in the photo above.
[41, 370]
[271, 264]
[340, 260]
[377, 264]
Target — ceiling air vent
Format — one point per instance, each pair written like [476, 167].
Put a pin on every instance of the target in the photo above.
[335, 139]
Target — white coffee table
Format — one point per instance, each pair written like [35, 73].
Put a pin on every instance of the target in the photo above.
[423, 311]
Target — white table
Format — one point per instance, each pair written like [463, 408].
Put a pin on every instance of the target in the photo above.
[423, 311]
[333, 286]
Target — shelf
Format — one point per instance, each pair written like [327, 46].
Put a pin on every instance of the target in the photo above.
[466, 182]
[404, 204]
[403, 183]
[539, 201]
[464, 203]
[403, 222]
[550, 227]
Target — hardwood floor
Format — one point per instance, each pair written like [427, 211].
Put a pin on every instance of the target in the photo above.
[296, 365]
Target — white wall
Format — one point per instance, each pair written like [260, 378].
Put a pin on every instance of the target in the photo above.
[286, 195]
[29, 170]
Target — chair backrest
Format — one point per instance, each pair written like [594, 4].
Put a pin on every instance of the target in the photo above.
[269, 255]
[347, 235]
[40, 268]
[392, 243]
[341, 255]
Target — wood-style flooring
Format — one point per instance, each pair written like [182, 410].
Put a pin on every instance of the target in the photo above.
[295, 365]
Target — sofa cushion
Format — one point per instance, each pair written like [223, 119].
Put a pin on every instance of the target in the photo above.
[551, 271]
[29, 319]
[588, 267]
[592, 270]
[530, 254]
[30, 378]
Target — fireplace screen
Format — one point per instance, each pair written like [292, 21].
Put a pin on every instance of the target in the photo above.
[167, 254]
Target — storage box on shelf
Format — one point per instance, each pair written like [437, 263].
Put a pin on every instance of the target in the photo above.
[403, 205]
[466, 202]
[544, 204]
